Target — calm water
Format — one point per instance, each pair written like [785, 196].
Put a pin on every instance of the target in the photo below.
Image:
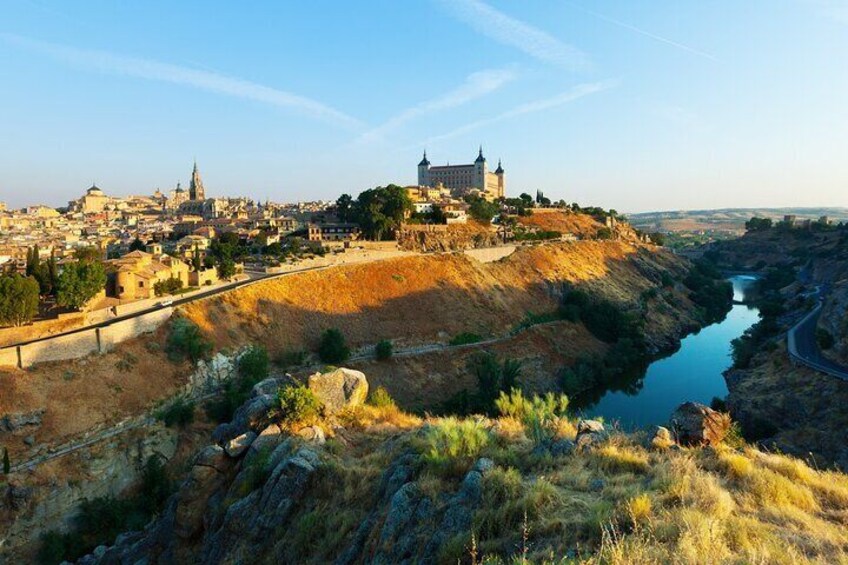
[694, 372]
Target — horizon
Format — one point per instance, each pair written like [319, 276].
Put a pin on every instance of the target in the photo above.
[643, 108]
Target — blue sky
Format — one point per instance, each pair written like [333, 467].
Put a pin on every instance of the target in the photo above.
[633, 105]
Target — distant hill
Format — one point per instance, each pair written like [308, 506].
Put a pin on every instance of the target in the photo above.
[724, 219]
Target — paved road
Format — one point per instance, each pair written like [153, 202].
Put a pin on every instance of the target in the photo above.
[803, 345]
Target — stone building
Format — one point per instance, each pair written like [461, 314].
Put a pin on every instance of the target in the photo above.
[92, 202]
[133, 276]
[463, 179]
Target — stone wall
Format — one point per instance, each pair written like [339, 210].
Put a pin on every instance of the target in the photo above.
[114, 334]
[72, 346]
[490, 254]
[80, 344]
[9, 357]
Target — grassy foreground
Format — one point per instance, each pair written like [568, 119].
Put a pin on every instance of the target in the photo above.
[618, 502]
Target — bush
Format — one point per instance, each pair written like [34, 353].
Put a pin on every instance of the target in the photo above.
[253, 364]
[291, 358]
[186, 342]
[666, 280]
[383, 350]
[538, 414]
[179, 413]
[298, 405]
[825, 339]
[380, 398]
[333, 348]
[169, 286]
[465, 338]
[452, 445]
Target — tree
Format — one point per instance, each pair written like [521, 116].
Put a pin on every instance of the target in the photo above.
[79, 282]
[344, 208]
[137, 245]
[333, 348]
[383, 350]
[32, 261]
[196, 261]
[758, 224]
[378, 211]
[87, 254]
[185, 340]
[253, 364]
[18, 299]
[481, 209]
[7, 465]
[226, 268]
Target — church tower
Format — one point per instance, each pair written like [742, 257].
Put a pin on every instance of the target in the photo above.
[195, 189]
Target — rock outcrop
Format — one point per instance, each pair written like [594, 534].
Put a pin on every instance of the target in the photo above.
[697, 425]
[339, 388]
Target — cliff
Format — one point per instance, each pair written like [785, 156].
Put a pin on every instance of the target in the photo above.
[371, 484]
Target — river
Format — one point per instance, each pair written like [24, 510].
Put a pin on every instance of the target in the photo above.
[693, 372]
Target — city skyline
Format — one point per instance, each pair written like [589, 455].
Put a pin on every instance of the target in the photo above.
[648, 107]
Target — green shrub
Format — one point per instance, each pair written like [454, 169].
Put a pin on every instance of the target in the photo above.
[452, 445]
[179, 413]
[383, 350]
[539, 414]
[155, 487]
[666, 280]
[298, 405]
[465, 338]
[291, 358]
[253, 364]
[825, 339]
[333, 348]
[186, 342]
[380, 398]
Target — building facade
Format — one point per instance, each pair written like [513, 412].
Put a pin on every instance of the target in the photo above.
[462, 179]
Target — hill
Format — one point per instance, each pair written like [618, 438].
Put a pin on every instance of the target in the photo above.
[527, 486]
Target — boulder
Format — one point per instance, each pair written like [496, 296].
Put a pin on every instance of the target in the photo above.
[238, 445]
[16, 421]
[313, 434]
[340, 388]
[697, 425]
[661, 438]
[268, 386]
[589, 434]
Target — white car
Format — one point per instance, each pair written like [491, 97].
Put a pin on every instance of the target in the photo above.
[166, 303]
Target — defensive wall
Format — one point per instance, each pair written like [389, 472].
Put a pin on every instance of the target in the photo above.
[85, 342]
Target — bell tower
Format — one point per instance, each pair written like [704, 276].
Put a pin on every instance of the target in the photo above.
[195, 189]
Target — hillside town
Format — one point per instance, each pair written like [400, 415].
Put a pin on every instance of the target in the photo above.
[141, 247]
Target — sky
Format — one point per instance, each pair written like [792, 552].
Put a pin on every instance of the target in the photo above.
[632, 105]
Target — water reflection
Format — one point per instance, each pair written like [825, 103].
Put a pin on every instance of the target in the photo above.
[694, 372]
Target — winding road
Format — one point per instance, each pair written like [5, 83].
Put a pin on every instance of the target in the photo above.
[803, 345]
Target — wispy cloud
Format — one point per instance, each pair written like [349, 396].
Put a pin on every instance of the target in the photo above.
[505, 29]
[476, 86]
[109, 63]
[560, 99]
[641, 31]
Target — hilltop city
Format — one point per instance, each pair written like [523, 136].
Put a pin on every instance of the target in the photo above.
[162, 244]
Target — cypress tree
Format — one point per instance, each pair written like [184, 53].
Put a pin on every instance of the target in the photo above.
[7, 466]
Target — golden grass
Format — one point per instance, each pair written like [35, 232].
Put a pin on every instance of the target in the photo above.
[621, 459]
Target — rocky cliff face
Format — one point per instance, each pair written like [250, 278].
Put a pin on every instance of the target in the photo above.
[376, 492]
[47, 497]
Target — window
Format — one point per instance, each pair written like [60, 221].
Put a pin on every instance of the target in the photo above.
[140, 284]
